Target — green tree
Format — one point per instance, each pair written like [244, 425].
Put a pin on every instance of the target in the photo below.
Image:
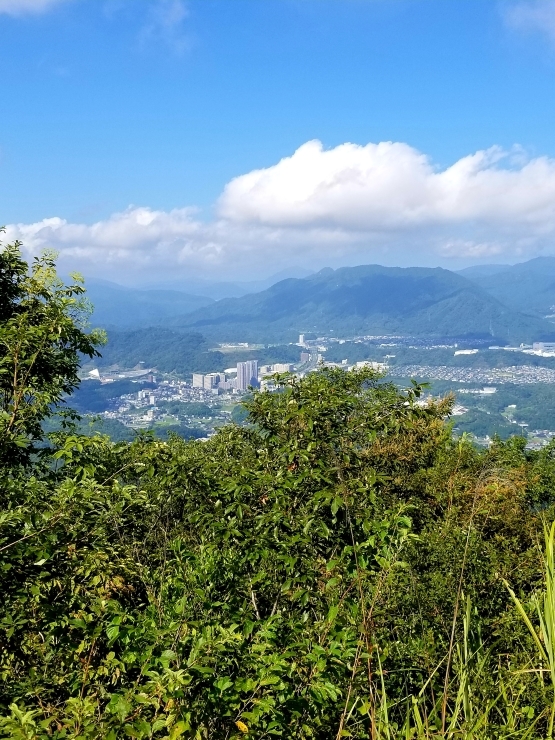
[42, 336]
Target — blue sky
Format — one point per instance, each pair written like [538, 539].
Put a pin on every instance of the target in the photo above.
[132, 132]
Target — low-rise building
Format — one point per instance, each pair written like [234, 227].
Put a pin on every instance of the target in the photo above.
[283, 367]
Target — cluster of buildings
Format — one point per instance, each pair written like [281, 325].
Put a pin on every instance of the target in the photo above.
[239, 379]
[219, 390]
[146, 406]
[487, 390]
[250, 374]
[247, 374]
[523, 374]
[544, 349]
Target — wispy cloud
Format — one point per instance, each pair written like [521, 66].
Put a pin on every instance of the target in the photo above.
[321, 206]
[22, 7]
[532, 15]
[165, 25]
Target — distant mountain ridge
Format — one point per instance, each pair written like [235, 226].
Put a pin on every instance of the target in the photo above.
[368, 299]
[478, 271]
[118, 306]
[218, 290]
[527, 286]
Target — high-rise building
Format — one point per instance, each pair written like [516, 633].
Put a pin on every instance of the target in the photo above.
[247, 374]
[301, 339]
[305, 357]
[211, 381]
[198, 380]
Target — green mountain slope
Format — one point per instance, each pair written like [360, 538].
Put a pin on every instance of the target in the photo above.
[368, 299]
[528, 286]
[161, 348]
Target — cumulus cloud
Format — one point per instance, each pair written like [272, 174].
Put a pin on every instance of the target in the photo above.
[391, 186]
[534, 15]
[379, 202]
[469, 249]
[20, 7]
[138, 237]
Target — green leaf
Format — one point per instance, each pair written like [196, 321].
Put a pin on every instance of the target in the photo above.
[112, 632]
[224, 683]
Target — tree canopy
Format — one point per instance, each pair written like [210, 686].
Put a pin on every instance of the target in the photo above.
[42, 338]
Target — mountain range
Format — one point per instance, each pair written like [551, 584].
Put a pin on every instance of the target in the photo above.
[504, 302]
[218, 290]
[528, 286]
[369, 299]
[118, 306]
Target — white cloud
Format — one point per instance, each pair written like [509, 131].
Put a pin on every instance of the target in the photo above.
[391, 187]
[533, 15]
[137, 237]
[142, 241]
[20, 7]
[379, 202]
[470, 249]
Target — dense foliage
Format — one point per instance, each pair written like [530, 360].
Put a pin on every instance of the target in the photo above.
[337, 567]
[41, 337]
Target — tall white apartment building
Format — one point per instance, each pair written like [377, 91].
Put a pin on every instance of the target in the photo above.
[247, 374]
[198, 380]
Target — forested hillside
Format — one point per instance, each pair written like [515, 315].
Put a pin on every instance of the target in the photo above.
[368, 299]
[341, 566]
[183, 352]
[161, 348]
[527, 286]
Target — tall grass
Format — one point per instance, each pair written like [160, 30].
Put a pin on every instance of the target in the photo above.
[543, 604]
[471, 709]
